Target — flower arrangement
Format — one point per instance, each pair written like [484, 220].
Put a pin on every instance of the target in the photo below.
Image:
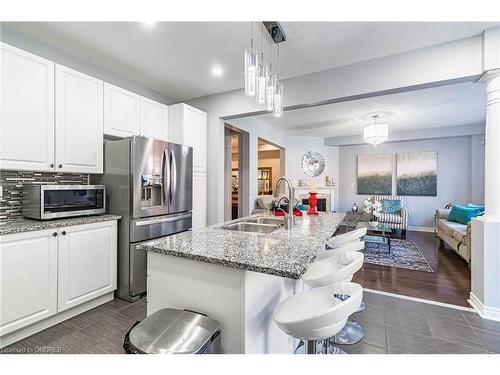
[372, 207]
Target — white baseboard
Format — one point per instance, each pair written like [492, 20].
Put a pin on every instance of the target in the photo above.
[428, 301]
[421, 229]
[486, 312]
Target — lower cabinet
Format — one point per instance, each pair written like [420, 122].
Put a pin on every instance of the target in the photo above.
[46, 272]
[28, 279]
[86, 263]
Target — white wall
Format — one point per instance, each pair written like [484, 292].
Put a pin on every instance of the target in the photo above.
[437, 65]
[459, 159]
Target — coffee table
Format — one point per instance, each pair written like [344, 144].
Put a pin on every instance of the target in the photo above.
[380, 233]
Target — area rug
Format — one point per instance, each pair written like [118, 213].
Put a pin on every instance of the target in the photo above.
[404, 254]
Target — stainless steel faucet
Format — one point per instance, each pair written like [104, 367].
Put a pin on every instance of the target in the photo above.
[288, 217]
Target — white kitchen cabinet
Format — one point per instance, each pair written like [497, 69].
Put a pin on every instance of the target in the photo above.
[28, 279]
[199, 200]
[154, 119]
[27, 111]
[188, 126]
[86, 263]
[121, 112]
[79, 122]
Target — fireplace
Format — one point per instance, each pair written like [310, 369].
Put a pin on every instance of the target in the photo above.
[320, 206]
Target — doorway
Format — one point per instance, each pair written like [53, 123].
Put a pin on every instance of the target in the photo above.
[270, 166]
[236, 172]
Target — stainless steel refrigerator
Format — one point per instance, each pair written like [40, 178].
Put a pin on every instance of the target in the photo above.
[150, 184]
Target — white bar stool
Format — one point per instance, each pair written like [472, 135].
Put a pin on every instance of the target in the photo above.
[345, 238]
[317, 314]
[338, 267]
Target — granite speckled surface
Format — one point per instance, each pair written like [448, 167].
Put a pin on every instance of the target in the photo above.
[284, 253]
[28, 225]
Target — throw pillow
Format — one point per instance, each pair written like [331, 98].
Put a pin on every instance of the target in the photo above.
[391, 206]
[478, 206]
[463, 215]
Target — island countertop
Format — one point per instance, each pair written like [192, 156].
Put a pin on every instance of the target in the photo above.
[284, 253]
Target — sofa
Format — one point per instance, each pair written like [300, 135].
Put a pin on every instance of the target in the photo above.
[455, 235]
[396, 220]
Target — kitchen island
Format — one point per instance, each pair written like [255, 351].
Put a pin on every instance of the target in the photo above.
[236, 277]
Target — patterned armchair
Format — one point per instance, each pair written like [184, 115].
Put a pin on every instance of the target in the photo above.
[397, 220]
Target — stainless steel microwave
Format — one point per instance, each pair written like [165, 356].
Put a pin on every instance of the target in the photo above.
[55, 201]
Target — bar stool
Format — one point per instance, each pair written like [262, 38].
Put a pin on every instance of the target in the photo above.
[317, 315]
[345, 238]
[350, 241]
[340, 266]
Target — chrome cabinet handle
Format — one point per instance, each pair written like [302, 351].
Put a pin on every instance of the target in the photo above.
[51, 165]
[63, 232]
[54, 234]
[60, 165]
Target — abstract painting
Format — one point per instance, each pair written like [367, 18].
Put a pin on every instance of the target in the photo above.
[417, 173]
[375, 174]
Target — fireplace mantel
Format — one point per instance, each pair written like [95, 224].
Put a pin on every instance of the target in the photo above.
[327, 192]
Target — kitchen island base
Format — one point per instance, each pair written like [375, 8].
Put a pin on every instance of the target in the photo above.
[242, 301]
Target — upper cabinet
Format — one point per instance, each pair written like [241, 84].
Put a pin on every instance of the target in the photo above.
[121, 111]
[154, 119]
[188, 126]
[127, 114]
[79, 122]
[27, 115]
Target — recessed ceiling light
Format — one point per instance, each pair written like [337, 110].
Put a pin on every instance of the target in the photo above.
[217, 71]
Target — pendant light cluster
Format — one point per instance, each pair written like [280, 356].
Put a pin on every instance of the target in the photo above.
[261, 81]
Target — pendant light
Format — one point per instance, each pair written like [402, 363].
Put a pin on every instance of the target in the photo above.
[376, 133]
[251, 64]
[278, 93]
[262, 74]
[271, 83]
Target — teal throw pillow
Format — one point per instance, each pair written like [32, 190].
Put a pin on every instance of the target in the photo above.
[463, 215]
[478, 206]
[391, 206]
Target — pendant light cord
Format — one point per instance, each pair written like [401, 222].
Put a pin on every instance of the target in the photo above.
[251, 34]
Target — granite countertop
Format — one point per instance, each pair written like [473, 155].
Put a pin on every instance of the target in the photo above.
[28, 225]
[284, 253]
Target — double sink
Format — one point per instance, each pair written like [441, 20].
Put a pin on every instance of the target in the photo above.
[256, 225]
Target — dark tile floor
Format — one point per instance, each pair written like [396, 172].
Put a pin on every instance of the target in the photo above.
[391, 325]
[97, 331]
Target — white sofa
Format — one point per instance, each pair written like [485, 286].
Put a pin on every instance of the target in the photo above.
[455, 235]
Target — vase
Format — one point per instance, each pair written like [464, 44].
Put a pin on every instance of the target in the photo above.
[354, 207]
[313, 201]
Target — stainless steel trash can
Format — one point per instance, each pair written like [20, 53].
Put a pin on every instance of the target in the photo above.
[172, 331]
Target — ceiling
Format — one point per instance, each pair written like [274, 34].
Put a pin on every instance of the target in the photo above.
[176, 58]
[451, 105]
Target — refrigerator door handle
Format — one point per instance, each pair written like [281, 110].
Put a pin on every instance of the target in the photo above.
[166, 177]
[163, 220]
[173, 174]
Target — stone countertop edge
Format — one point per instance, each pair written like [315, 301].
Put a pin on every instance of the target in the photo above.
[225, 263]
[29, 225]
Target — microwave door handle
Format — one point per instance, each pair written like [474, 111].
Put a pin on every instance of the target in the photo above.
[165, 177]
[173, 174]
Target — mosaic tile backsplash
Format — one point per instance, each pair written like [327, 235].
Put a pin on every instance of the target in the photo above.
[12, 187]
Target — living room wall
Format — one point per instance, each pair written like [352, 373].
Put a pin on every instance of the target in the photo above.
[460, 177]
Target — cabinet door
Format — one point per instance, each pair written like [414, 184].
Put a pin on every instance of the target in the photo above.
[87, 263]
[154, 119]
[199, 200]
[27, 111]
[195, 135]
[121, 112]
[79, 122]
[28, 279]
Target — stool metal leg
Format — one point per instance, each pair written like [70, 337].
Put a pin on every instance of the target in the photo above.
[311, 347]
[361, 307]
[352, 333]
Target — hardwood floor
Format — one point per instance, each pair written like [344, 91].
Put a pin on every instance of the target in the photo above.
[449, 283]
